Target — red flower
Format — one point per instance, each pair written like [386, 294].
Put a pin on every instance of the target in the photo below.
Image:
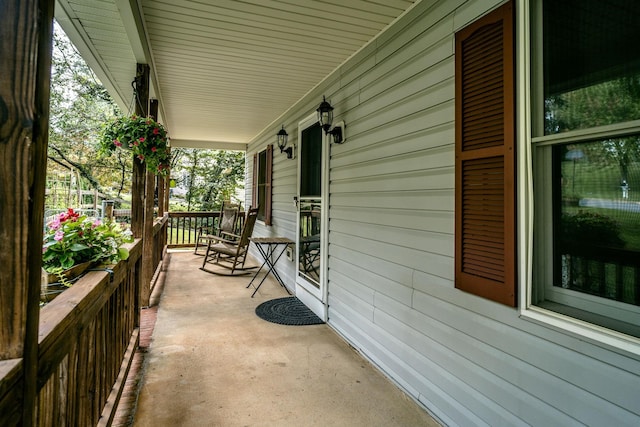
[156, 131]
[154, 149]
[117, 143]
[140, 156]
[141, 139]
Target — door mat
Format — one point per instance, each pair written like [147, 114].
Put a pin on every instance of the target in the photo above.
[287, 311]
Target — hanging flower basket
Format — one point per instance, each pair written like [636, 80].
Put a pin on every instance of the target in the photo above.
[144, 137]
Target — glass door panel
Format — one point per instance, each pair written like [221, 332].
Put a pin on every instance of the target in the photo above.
[309, 255]
[310, 279]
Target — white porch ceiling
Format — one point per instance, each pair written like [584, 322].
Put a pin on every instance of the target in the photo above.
[223, 70]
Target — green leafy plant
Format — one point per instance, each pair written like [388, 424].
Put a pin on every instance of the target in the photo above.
[71, 239]
[146, 138]
[590, 228]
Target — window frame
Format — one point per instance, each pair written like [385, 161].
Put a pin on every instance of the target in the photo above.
[533, 145]
[255, 193]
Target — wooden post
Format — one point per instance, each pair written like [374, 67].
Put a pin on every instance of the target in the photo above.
[147, 241]
[153, 109]
[25, 39]
[139, 170]
[141, 219]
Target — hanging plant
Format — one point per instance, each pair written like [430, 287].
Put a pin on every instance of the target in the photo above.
[146, 138]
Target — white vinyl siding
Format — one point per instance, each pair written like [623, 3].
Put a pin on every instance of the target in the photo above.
[468, 360]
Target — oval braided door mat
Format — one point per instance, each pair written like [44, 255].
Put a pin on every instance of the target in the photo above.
[287, 311]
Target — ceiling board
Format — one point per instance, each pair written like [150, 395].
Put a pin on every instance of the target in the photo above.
[225, 69]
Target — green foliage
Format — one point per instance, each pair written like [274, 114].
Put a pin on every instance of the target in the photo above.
[143, 136]
[591, 228]
[71, 239]
[80, 107]
[209, 176]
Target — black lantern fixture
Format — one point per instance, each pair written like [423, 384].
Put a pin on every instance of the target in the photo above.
[325, 115]
[282, 137]
[325, 118]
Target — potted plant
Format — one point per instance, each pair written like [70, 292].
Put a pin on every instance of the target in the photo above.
[73, 242]
[143, 136]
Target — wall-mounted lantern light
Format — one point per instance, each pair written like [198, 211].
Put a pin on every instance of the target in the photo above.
[325, 118]
[282, 137]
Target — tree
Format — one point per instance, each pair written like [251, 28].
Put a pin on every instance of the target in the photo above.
[209, 176]
[605, 103]
[80, 106]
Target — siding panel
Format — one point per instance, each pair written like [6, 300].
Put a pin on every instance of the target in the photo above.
[391, 248]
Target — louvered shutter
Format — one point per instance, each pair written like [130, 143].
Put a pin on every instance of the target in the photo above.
[254, 184]
[267, 185]
[485, 158]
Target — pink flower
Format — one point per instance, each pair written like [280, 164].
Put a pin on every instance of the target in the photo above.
[55, 223]
[96, 223]
[117, 143]
[136, 143]
[142, 139]
[140, 156]
[58, 236]
[156, 131]
[154, 149]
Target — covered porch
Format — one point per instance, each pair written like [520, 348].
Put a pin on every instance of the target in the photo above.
[212, 361]
[478, 326]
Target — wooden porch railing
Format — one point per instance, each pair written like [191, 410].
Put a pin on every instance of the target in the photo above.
[183, 227]
[611, 273]
[87, 338]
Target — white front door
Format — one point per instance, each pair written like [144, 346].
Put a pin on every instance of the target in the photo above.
[312, 217]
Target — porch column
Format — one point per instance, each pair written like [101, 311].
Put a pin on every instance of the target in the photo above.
[141, 95]
[142, 192]
[25, 43]
[162, 182]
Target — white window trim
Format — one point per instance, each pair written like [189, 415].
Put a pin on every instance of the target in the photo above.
[594, 334]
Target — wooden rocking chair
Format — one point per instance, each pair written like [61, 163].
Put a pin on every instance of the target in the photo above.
[230, 250]
[226, 223]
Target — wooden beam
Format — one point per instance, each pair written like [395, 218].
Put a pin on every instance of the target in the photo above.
[139, 171]
[147, 241]
[25, 41]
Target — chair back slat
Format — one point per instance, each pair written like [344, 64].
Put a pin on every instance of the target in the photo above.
[228, 218]
[247, 231]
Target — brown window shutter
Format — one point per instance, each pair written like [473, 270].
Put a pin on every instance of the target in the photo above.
[485, 158]
[267, 192]
[254, 184]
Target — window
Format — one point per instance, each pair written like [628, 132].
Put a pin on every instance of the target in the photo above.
[586, 147]
[261, 188]
[485, 158]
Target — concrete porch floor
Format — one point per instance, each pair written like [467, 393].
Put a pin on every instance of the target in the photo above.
[213, 362]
